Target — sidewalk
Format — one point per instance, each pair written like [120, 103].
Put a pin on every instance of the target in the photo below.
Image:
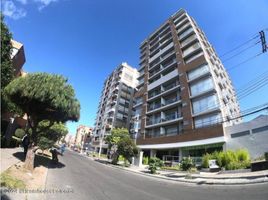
[198, 178]
[7, 157]
[7, 161]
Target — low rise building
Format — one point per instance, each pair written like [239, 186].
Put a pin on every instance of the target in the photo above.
[251, 135]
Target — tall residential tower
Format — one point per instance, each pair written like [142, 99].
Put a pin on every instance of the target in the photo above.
[184, 92]
[116, 102]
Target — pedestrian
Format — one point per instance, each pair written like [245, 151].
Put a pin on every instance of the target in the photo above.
[62, 148]
[25, 143]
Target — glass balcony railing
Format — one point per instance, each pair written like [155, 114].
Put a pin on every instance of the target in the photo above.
[172, 116]
[167, 118]
[154, 106]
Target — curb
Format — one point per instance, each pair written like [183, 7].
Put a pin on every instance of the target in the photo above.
[202, 181]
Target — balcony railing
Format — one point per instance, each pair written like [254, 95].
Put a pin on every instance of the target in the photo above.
[158, 92]
[154, 106]
[167, 118]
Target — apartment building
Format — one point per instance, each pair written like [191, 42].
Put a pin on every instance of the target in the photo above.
[116, 102]
[83, 137]
[184, 97]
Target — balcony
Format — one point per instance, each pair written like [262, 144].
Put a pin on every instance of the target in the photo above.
[162, 68]
[162, 51]
[163, 79]
[154, 106]
[111, 110]
[188, 41]
[166, 90]
[170, 119]
[164, 106]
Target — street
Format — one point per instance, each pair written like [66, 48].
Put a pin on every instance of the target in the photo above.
[80, 178]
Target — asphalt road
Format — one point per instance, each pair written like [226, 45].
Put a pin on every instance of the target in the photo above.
[83, 179]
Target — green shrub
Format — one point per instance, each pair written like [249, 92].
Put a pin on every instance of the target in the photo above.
[121, 158]
[145, 160]
[242, 155]
[205, 160]
[154, 164]
[230, 160]
[19, 133]
[187, 163]
[266, 156]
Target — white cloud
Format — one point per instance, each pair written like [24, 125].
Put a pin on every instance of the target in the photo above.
[10, 10]
[16, 8]
[44, 3]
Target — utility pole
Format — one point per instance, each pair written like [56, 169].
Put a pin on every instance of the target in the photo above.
[263, 41]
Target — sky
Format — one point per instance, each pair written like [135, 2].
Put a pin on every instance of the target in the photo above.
[84, 40]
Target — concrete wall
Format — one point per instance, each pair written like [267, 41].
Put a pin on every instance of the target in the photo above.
[252, 135]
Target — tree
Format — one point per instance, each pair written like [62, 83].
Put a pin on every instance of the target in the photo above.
[120, 143]
[7, 70]
[48, 136]
[43, 96]
[127, 148]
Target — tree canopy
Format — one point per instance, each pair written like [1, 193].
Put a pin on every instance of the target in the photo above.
[50, 134]
[7, 70]
[44, 96]
[120, 143]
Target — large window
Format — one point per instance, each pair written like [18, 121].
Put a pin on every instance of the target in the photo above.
[138, 111]
[203, 69]
[138, 100]
[207, 120]
[201, 86]
[206, 103]
[171, 130]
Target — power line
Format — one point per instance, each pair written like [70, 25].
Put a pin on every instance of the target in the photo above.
[243, 62]
[254, 80]
[239, 46]
[240, 52]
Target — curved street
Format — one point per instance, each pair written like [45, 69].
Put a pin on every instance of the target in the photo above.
[78, 177]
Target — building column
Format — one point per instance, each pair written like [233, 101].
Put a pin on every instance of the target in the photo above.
[180, 154]
[138, 159]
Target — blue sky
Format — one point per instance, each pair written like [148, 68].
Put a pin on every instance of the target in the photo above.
[84, 40]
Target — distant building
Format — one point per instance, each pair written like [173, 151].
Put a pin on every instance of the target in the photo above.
[115, 105]
[83, 137]
[252, 135]
[18, 57]
[69, 139]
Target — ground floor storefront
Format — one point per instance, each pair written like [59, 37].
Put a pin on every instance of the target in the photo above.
[174, 152]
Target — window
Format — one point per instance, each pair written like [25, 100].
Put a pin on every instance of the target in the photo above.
[138, 111]
[190, 49]
[193, 57]
[188, 40]
[171, 130]
[185, 33]
[128, 77]
[119, 116]
[203, 69]
[201, 86]
[138, 100]
[141, 81]
[204, 104]
[207, 120]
